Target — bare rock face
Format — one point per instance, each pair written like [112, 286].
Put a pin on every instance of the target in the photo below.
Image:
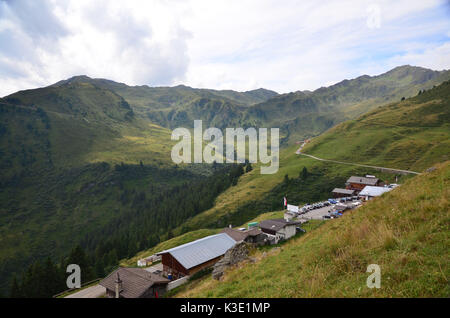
[234, 255]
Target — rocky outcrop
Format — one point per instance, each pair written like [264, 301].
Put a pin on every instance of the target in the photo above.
[236, 254]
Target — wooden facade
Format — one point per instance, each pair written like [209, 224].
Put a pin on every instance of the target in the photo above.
[172, 266]
[355, 186]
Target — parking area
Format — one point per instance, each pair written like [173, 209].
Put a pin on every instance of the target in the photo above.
[319, 213]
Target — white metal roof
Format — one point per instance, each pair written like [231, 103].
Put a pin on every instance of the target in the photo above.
[372, 191]
[202, 250]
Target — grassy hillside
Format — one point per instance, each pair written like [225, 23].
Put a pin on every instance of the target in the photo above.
[307, 113]
[88, 160]
[405, 232]
[83, 124]
[411, 134]
[189, 237]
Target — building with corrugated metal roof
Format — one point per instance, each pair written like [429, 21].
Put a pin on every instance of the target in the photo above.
[370, 191]
[189, 258]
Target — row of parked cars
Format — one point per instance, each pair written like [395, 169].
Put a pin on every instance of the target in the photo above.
[308, 207]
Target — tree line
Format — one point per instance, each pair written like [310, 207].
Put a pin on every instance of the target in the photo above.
[147, 217]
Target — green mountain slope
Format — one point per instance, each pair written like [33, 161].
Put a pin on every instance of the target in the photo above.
[79, 167]
[410, 134]
[83, 124]
[305, 114]
[88, 161]
[298, 115]
[405, 232]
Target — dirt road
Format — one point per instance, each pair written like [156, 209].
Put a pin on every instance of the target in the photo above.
[382, 169]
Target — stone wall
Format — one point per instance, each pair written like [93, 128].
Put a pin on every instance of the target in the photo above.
[236, 254]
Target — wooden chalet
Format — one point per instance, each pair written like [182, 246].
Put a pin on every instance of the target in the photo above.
[187, 259]
[358, 183]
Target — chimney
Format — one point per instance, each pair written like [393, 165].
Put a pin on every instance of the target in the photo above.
[118, 285]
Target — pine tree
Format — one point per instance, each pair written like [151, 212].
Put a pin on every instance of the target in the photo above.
[304, 173]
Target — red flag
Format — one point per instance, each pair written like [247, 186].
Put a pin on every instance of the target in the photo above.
[285, 201]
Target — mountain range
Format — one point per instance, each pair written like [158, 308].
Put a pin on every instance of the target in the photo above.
[71, 153]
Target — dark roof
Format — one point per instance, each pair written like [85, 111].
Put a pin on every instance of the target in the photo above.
[343, 191]
[135, 281]
[363, 180]
[276, 224]
[241, 235]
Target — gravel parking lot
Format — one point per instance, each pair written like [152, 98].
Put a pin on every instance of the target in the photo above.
[317, 214]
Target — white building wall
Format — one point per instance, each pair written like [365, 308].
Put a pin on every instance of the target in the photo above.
[287, 232]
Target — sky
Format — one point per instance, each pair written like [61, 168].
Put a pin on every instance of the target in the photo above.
[222, 44]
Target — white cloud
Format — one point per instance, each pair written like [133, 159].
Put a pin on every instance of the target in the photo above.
[245, 44]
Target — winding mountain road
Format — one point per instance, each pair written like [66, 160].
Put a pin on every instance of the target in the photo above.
[382, 169]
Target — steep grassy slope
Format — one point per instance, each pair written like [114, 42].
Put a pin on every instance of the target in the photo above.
[83, 124]
[411, 134]
[405, 232]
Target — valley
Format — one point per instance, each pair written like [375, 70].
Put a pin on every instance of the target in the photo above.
[86, 162]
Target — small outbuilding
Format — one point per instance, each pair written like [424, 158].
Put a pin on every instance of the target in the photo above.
[279, 229]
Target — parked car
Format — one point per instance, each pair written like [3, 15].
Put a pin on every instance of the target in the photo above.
[327, 217]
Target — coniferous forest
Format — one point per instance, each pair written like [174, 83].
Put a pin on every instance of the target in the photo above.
[147, 217]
